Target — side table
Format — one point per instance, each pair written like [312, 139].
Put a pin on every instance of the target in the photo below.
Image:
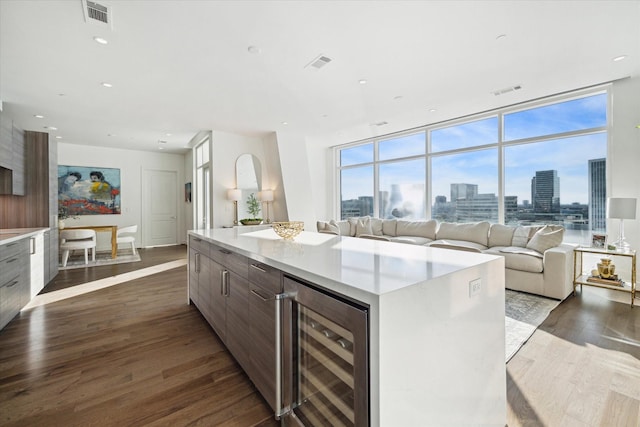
[582, 279]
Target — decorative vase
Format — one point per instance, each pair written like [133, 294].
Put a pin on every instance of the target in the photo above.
[605, 268]
[61, 224]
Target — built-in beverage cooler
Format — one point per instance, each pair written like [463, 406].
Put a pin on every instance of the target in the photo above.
[325, 372]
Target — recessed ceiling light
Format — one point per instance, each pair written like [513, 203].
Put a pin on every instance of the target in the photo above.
[62, 94]
[432, 110]
[160, 147]
[168, 134]
[362, 82]
[397, 97]
[620, 58]
[100, 40]
[105, 84]
[38, 116]
[254, 49]
[111, 134]
[285, 123]
[51, 127]
[58, 137]
[501, 37]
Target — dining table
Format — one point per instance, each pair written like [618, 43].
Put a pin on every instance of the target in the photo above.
[102, 228]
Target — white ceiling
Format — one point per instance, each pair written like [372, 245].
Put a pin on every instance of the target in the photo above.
[178, 67]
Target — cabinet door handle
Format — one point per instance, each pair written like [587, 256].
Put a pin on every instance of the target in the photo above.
[263, 298]
[225, 251]
[195, 239]
[197, 262]
[257, 267]
[12, 284]
[32, 242]
[224, 278]
[11, 260]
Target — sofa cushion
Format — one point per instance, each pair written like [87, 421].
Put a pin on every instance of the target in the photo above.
[414, 240]
[374, 237]
[376, 226]
[476, 232]
[500, 235]
[389, 227]
[416, 228]
[523, 234]
[461, 245]
[517, 258]
[546, 238]
[343, 226]
[363, 226]
[325, 227]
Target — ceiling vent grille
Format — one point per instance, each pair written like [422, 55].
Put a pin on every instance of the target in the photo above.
[319, 62]
[506, 90]
[96, 13]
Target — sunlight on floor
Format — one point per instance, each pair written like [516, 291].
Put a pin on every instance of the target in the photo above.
[101, 284]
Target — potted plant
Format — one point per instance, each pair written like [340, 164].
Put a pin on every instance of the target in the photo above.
[63, 213]
[253, 206]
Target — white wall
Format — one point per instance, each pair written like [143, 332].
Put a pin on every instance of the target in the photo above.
[131, 164]
[624, 154]
[227, 148]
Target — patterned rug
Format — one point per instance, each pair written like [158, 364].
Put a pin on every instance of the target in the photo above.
[524, 313]
[76, 260]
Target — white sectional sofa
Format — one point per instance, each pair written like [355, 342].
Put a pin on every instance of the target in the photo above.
[536, 260]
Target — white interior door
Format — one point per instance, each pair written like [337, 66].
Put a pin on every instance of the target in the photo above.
[160, 194]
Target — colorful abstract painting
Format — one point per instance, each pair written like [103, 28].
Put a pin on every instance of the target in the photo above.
[88, 190]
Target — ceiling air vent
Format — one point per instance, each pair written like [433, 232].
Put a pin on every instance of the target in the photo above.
[96, 13]
[506, 90]
[319, 62]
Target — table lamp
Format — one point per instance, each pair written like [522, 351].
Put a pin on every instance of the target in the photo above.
[266, 196]
[234, 195]
[621, 208]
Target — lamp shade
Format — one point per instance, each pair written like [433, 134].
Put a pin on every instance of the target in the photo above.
[234, 194]
[621, 207]
[266, 196]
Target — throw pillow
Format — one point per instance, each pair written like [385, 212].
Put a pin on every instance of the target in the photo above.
[344, 228]
[546, 238]
[363, 226]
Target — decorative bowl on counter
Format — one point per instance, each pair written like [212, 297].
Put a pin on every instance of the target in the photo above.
[289, 229]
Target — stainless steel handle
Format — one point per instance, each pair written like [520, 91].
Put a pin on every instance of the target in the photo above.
[197, 260]
[224, 279]
[12, 260]
[263, 298]
[15, 282]
[32, 242]
[225, 251]
[257, 267]
[195, 239]
[279, 407]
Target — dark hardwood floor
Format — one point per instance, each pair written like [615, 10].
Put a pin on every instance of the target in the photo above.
[135, 354]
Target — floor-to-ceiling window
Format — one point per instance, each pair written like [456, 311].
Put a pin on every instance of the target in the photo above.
[539, 162]
[202, 201]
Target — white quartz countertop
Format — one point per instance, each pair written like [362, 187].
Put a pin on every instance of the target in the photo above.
[367, 266]
[9, 235]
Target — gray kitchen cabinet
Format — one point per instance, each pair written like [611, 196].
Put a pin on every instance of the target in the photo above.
[14, 279]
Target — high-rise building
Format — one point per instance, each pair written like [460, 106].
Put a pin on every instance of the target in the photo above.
[597, 194]
[463, 191]
[545, 192]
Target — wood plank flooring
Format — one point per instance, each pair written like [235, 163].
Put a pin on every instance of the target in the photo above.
[136, 354]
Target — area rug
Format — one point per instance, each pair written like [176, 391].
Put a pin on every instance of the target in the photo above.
[102, 258]
[523, 314]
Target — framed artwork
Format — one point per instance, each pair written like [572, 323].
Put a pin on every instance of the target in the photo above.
[86, 190]
[187, 192]
[599, 241]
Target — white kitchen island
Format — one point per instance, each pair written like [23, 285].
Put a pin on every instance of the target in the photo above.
[436, 320]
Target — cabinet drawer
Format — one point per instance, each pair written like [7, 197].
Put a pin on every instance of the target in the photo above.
[237, 263]
[199, 245]
[267, 277]
[12, 249]
[9, 268]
